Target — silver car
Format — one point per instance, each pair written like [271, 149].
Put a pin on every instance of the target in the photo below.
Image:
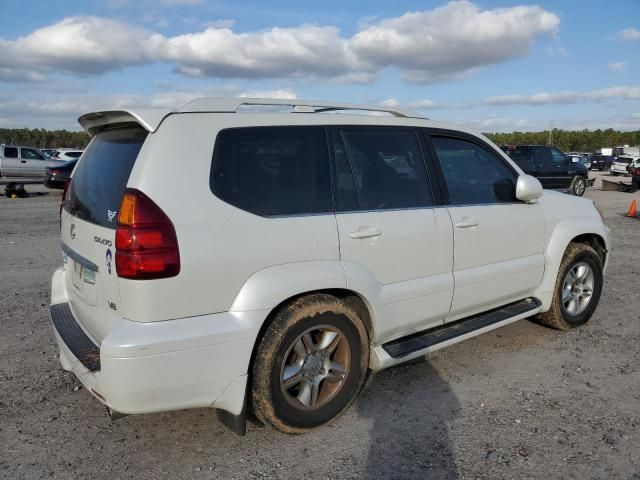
[620, 166]
[24, 162]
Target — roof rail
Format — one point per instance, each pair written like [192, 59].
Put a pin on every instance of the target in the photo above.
[231, 105]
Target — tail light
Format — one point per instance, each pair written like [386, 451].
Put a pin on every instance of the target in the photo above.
[146, 242]
[53, 172]
[64, 194]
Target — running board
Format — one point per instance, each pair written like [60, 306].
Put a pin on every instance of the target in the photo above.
[417, 344]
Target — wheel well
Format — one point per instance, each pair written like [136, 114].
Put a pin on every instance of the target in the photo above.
[594, 241]
[349, 296]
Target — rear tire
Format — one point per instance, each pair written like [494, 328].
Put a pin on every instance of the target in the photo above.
[577, 289]
[310, 364]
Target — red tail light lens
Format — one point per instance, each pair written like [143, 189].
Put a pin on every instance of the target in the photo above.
[146, 242]
[636, 171]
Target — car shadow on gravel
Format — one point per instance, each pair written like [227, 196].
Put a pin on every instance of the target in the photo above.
[410, 407]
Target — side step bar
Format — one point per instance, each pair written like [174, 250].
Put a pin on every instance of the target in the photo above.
[416, 344]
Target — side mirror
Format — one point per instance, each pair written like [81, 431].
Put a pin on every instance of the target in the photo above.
[528, 188]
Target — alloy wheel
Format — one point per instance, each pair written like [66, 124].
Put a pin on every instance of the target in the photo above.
[315, 367]
[577, 288]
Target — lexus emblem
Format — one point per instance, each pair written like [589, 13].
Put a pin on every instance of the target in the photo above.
[72, 231]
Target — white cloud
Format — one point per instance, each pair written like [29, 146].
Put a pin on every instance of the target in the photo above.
[426, 46]
[80, 45]
[496, 124]
[221, 23]
[567, 97]
[306, 50]
[452, 40]
[618, 66]
[63, 111]
[629, 34]
[424, 104]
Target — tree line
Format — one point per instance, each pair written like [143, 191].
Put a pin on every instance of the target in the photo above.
[570, 140]
[41, 138]
[566, 140]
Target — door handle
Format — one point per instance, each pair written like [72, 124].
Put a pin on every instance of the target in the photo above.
[467, 222]
[366, 232]
[23, 161]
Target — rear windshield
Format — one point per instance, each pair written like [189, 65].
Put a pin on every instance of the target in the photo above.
[101, 177]
[626, 160]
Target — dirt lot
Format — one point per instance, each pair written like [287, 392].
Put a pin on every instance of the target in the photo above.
[520, 402]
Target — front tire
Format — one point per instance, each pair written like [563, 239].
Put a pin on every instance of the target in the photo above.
[310, 364]
[577, 289]
[578, 186]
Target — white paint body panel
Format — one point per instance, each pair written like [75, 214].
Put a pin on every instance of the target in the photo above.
[500, 259]
[187, 341]
[405, 272]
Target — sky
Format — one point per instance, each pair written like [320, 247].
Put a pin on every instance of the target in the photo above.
[493, 65]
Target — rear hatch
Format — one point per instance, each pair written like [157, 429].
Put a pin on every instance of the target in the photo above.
[88, 224]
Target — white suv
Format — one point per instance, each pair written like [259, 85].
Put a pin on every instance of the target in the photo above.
[245, 258]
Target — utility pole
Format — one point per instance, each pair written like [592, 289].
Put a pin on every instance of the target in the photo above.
[550, 139]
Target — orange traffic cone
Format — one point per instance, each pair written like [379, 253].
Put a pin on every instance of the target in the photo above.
[633, 210]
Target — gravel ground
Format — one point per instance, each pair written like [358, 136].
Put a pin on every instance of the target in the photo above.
[520, 402]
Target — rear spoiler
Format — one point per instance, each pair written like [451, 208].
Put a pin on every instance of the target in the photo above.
[148, 118]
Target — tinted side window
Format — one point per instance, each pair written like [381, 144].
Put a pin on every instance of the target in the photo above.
[520, 155]
[473, 175]
[387, 167]
[31, 154]
[542, 156]
[273, 170]
[346, 194]
[10, 152]
[558, 156]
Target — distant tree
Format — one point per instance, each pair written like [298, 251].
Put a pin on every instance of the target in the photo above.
[41, 138]
[570, 140]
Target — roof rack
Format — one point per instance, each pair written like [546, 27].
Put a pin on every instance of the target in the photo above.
[231, 105]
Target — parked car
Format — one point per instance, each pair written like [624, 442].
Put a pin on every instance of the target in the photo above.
[309, 249]
[67, 154]
[635, 174]
[601, 162]
[57, 176]
[635, 163]
[551, 167]
[18, 161]
[48, 152]
[620, 166]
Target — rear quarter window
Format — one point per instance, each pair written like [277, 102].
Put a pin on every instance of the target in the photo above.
[10, 152]
[101, 177]
[272, 171]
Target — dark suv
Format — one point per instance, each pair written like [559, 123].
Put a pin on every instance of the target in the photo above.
[552, 167]
[601, 162]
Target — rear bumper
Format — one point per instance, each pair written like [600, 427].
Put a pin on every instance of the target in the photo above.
[617, 169]
[170, 365]
[52, 182]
